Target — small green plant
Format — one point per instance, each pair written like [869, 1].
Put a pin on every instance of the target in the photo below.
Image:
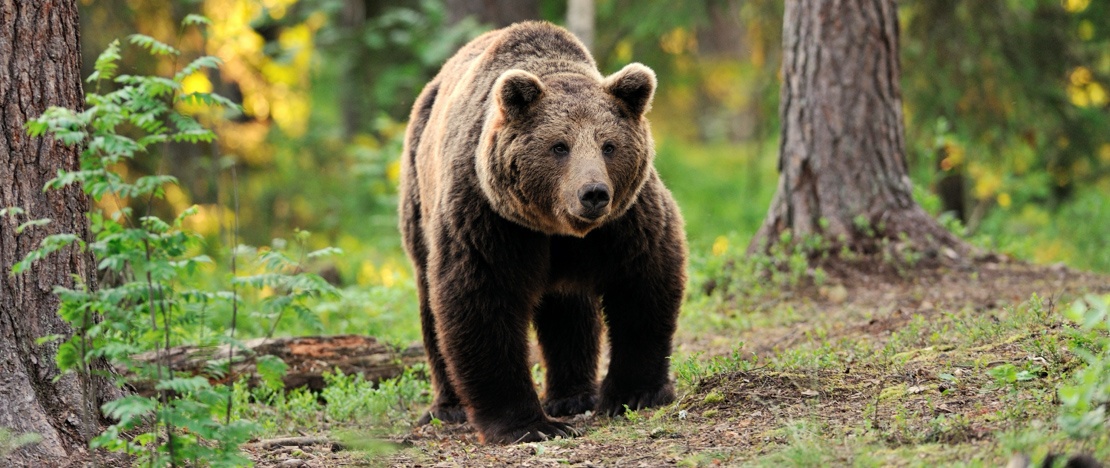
[392, 401]
[150, 263]
[691, 371]
[1009, 374]
[1084, 400]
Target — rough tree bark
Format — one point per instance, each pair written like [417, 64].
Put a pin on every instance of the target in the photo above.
[40, 66]
[842, 151]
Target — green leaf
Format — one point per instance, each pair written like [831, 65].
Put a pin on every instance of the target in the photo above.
[129, 408]
[12, 210]
[184, 384]
[68, 356]
[49, 339]
[271, 369]
[49, 245]
[153, 45]
[1006, 373]
[106, 63]
[32, 223]
[193, 19]
[199, 63]
[324, 252]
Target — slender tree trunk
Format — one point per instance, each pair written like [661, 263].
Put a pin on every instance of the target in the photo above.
[842, 150]
[580, 20]
[40, 66]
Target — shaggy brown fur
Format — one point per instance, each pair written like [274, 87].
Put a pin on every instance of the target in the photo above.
[528, 196]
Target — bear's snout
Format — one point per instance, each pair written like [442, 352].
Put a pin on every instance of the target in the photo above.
[594, 198]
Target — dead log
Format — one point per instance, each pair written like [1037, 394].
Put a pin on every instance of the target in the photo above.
[308, 358]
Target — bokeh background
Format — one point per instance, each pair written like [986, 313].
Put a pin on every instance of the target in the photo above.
[1007, 106]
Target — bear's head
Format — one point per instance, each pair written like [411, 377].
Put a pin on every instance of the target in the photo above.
[567, 153]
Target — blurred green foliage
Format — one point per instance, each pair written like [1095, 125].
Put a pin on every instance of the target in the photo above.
[1006, 103]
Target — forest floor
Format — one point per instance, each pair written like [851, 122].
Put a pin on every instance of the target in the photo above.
[877, 367]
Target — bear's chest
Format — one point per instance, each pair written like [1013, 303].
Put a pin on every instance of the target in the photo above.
[578, 264]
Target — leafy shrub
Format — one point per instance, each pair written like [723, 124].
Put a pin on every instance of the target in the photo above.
[1083, 412]
[351, 397]
[150, 265]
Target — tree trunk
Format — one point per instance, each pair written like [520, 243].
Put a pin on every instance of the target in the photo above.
[580, 20]
[41, 63]
[842, 155]
[497, 13]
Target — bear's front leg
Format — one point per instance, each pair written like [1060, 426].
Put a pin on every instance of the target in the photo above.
[568, 326]
[641, 309]
[483, 302]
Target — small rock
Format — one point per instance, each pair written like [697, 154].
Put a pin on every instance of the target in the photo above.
[290, 463]
[836, 294]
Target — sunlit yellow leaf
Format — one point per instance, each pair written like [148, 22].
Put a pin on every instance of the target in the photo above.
[987, 185]
[393, 171]
[1080, 76]
[1075, 6]
[720, 245]
[1004, 200]
[623, 51]
[677, 41]
[1086, 30]
[367, 274]
[388, 276]
[1096, 94]
[196, 83]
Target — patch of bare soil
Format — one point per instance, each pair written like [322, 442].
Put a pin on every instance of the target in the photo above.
[874, 297]
[933, 395]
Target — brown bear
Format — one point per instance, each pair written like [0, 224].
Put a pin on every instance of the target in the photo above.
[528, 196]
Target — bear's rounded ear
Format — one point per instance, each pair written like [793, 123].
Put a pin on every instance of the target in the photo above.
[516, 91]
[634, 86]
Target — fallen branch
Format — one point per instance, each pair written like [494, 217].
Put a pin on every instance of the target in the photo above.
[308, 357]
[270, 444]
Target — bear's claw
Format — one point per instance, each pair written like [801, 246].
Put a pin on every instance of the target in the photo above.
[613, 402]
[571, 405]
[539, 431]
[444, 413]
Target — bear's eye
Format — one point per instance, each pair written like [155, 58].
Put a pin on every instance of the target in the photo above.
[560, 149]
[608, 149]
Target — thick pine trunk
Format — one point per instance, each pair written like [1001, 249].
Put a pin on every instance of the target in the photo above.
[842, 151]
[40, 66]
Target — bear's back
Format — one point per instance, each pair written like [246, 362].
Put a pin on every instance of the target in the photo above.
[447, 144]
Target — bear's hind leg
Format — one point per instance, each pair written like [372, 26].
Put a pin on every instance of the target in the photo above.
[447, 406]
[569, 328]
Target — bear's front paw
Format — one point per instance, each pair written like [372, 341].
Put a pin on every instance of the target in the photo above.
[444, 413]
[544, 429]
[571, 405]
[613, 401]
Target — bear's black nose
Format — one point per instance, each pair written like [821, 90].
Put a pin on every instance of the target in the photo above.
[594, 197]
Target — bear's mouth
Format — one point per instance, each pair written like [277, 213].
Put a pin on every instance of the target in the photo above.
[582, 224]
